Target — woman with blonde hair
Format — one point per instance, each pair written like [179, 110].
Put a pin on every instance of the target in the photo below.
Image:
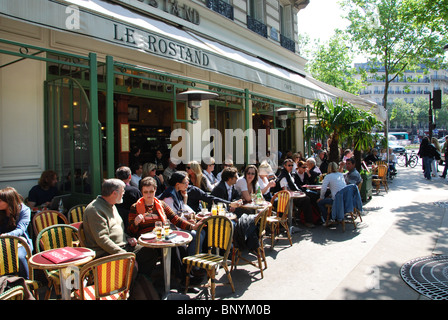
[150, 170]
[266, 179]
[15, 217]
[196, 176]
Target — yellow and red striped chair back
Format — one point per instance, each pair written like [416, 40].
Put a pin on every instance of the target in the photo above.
[76, 213]
[47, 218]
[57, 236]
[282, 202]
[9, 253]
[112, 277]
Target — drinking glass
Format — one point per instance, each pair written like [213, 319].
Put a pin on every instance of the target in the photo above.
[158, 230]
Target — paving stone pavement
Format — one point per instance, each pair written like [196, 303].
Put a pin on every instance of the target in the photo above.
[409, 221]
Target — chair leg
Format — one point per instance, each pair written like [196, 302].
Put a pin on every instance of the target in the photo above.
[285, 225]
[211, 274]
[260, 265]
[273, 232]
[229, 277]
[187, 278]
[343, 225]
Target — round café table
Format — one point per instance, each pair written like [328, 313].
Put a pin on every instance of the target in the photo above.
[149, 240]
[38, 261]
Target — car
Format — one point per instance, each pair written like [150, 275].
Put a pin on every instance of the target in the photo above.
[396, 148]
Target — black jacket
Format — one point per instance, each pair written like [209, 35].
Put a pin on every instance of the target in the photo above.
[220, 191]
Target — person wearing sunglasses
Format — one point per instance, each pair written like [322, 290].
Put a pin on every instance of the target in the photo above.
[286, 181]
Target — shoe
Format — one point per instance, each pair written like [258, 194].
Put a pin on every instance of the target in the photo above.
[443, 177]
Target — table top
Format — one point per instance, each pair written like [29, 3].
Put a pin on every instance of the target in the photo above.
[253, 205]
[297, 194]
[312, 186]
[181, 238]
[38, 261]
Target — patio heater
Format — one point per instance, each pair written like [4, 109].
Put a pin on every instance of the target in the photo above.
[194, 98]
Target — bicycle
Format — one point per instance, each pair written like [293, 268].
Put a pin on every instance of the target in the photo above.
[411, 160]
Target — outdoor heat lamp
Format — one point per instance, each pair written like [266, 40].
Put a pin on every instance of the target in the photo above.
[194, 98]
[283, 115]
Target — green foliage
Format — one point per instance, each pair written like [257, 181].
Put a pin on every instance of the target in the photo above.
[396, 35]
[342, 121]
[332, 63]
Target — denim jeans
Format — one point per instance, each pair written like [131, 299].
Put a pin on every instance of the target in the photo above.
[323, 211]
[427, 166]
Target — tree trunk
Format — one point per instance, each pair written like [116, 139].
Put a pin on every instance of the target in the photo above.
[334, 148]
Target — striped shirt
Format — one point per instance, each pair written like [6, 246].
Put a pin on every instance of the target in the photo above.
[151, 216]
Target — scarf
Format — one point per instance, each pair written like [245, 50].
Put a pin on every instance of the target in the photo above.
[141, 208]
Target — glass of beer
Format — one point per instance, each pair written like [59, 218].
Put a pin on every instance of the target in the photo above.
[158, 230]
[166, 228]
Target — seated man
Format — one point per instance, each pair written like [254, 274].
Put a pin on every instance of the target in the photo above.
[45, 190]
[131, 194]
[225, 189]
[313, 172]
[104, 228]
[285, 181]
[352, 176]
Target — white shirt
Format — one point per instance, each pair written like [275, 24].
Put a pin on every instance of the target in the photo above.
[229, 191]
[335, 181]
[241, 185]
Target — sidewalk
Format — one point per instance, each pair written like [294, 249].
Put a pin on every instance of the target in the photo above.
[362, 264]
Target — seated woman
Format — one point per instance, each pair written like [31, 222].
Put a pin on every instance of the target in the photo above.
[148, 209]
[248, 183]
[175, 196]
[150, 170]
[266, 179]
[208, 165]
[46, 189]
[15, 217]
[196, 176]
[334, 181]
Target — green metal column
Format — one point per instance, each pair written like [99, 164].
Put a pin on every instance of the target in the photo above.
[247, 118]
[95, 142]
[110, 116]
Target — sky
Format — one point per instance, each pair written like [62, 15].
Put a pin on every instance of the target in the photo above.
[320, 18]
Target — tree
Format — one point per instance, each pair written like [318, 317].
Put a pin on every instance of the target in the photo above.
[394, 36]
[332, 63]
[338, 121]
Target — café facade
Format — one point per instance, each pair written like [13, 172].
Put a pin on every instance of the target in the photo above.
[83, 82]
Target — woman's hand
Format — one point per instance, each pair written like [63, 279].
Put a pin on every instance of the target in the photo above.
[138, 219]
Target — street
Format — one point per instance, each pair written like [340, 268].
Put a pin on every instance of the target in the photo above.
[362, 264]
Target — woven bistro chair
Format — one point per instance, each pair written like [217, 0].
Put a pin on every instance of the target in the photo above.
[281, 217]
[76, 213]
[381, 179]
[47, 218]
[52, 237]
[14, 293]
[260, 221]
[112, 277]
[9, 253]
[219, 238]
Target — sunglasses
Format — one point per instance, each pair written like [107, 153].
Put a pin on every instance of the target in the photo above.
[187, 167]
[290, 165]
